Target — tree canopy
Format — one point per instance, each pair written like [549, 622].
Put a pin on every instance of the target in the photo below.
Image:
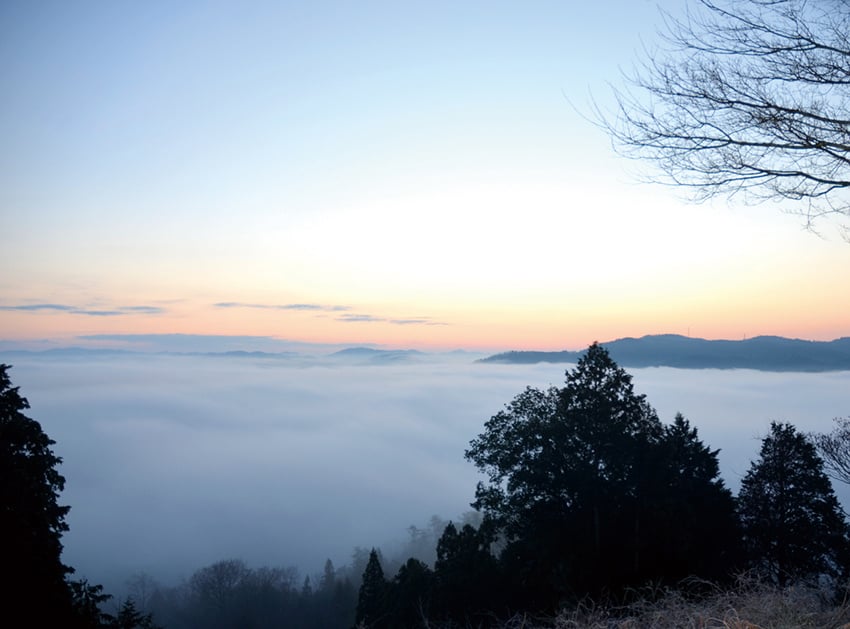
[792, 523]
[747, 97]
[371, 601]
[590, 491]
[31, 519]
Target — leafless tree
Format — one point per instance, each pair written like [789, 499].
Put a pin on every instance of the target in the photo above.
[141, 587]
[834, 447]
[748, 98]
[216, 584]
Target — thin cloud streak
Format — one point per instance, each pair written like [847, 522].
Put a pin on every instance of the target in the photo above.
[321, 309]
[143, 309]
[360, 318]
[37, 307]
[367, 318]
[307, 307]
[416, 322]
[80, 310]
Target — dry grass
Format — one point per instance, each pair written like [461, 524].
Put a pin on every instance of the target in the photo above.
[750, 605]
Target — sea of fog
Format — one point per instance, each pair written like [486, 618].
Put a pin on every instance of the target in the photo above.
[173, 462]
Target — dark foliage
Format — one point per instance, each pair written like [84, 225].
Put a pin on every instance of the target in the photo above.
[468, 579]
[31, 519]
[31, 526]
[408, 596]
[690, 514]
[230, 595]
[592, 493]
[792, 523]
[129, 617]
[88, 601]
[372, 599]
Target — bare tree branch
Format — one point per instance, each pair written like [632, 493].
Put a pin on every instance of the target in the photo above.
[834, 447]
[749, 98]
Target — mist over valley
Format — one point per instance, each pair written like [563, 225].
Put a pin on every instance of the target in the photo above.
[174, 462]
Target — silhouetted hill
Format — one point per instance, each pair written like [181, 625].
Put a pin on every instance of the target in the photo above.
[765, 353]
[348, 356]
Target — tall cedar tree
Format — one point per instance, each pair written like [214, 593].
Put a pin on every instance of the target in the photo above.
[581, 478]
[692, 525]
[371, 601]
[31, 519]
[792, 523]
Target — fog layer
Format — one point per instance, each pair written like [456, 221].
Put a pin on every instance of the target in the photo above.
[174, 462]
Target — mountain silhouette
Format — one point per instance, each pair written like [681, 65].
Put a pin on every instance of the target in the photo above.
[765, 353]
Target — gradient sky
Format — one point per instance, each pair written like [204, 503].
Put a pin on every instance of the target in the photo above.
[406, 174]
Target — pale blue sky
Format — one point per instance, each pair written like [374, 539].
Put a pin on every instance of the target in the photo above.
[174, 103]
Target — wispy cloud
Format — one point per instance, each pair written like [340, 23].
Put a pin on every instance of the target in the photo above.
[419, 321]
[83, 310]
[308, 307]
[37, 307]
[348, 317]
[367, 318]
[142, 309]
[360, 318]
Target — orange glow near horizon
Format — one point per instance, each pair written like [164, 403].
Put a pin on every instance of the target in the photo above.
[548, 327]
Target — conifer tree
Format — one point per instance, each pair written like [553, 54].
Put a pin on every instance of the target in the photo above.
[792, 523]
[466, 574]
[409, 595]
[31, 519]
[562, 469]
[129, 617]
[87, 601]
[371, 600]
[690, 525]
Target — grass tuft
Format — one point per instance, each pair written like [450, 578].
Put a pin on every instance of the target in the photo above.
[749, 605]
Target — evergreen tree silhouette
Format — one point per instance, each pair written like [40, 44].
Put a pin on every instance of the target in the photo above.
[371, 601]
[129, 617]
[31, 519]
[409, 595]
[792, 523]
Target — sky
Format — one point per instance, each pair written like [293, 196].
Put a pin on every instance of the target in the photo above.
[174, 462]
[397, 174]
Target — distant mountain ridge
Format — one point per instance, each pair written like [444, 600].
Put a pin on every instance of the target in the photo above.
[764, 353]
[349, 356]
[377, 356]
